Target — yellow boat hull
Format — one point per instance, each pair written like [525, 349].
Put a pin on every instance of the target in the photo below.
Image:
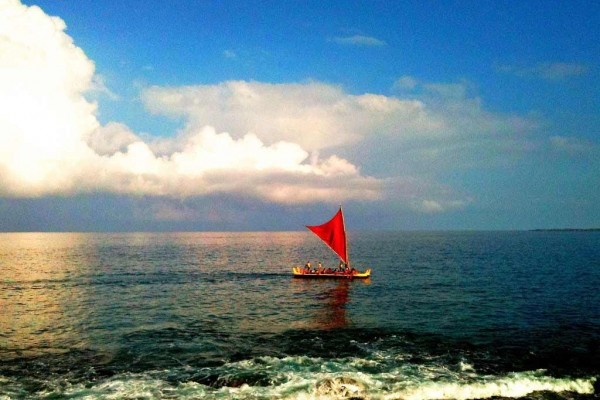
[299, 273]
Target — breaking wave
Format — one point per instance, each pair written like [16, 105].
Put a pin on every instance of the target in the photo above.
[304, 377]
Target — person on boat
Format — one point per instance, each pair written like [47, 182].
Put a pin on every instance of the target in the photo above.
[307, 267]
[319, 268]
[341, 267]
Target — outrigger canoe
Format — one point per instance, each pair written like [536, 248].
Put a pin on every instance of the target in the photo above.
[300, 272]
[333, 234]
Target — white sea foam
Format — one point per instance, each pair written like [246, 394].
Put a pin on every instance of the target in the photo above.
[302, 386]
[513, 385]
[303, 378]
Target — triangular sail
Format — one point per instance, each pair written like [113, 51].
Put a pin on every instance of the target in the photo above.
[333, 233]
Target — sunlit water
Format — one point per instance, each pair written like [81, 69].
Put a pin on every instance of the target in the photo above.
[449, 315]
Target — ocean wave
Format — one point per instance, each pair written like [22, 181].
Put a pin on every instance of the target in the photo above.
[301, 378]
[512, 386]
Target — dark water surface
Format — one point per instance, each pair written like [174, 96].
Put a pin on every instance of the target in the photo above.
[446, 315]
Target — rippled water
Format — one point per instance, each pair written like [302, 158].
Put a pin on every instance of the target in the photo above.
[218, 315]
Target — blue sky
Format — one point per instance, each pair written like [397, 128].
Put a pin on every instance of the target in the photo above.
[266, 115]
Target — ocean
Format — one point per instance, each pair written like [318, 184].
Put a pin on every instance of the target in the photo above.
[445, 315]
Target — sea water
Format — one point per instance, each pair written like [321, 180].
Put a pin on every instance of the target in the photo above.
[445, 315]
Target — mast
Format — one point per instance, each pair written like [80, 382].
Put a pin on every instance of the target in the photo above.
[345, 237]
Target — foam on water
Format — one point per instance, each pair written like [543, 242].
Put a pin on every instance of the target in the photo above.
[513, 385]
[299, 378]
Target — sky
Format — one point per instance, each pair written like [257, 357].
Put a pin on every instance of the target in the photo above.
[267, 115]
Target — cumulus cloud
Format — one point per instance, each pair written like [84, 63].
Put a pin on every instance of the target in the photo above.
[435, 126]
[210, 162]
[286, 143]
[42, 111]
[315, 115]
[52, 143]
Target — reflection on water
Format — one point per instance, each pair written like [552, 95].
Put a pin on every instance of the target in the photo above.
[65, 291]
[38, 292]
[329, 301]
[334, 315]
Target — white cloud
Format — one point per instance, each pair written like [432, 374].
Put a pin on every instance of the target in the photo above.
[429, 206]
[275, 142]
[99, 86]
[111, 138]
[42, 111]
[51, 141]
[211, 162]
[425, 196]
[406, 82]
[460, 113]
[359, 40]
[573, 146]
[229, 54]
[315, 115]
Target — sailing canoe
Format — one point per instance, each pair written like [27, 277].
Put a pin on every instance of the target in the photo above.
[333, 234]
[299, 272]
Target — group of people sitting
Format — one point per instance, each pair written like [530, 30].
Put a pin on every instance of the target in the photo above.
[341, 269]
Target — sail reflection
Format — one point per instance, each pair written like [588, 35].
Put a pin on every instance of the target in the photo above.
[334, 314]
[332, 298]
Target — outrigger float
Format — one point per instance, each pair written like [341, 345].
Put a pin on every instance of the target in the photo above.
[333, 234]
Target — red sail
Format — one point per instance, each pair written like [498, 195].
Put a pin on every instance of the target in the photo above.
[333, 233]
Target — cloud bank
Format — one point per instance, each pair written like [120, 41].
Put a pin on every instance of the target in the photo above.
[52, 143]
[284, 143]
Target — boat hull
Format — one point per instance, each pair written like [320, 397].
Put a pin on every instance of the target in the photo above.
[299, 273]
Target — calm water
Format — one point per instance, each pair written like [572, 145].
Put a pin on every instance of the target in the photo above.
[452, 315]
